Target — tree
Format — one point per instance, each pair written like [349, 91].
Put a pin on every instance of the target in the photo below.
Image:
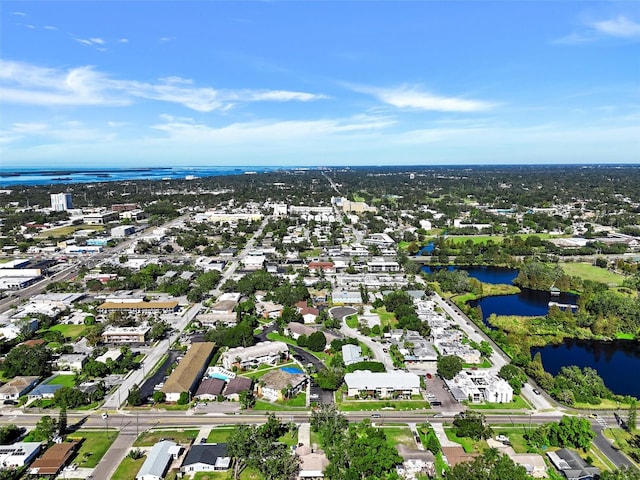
[9, 434]
[623, 474]
[68, 397]
[572, 432]
[488, 466]
[471, 424]
[633, 415]
[247, 400]
[449, 366]
[26, 360]
[158, 396]
[183, 399]
[44, 430]
[316, 341]
[135, 396]
[62, 420]
[513, 375]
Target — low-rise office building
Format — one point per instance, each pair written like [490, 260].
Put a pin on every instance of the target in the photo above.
[382, 384]
[268, 353]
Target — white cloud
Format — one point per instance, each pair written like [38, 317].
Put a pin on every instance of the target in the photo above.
[90, 42]
[97, 41]
[123, 40]
[620, 26]
[50, 27]
[573, 39]
[29, 84]
[165, 39]
[413, 98]
[19, 14]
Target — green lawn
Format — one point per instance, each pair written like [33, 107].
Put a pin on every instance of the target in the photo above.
[65, 231]
[219, 434]
[65, 380]
[399, 436]
[247, 474]
[587, 271]
[518, 402]
[469, 444]
[128, 469]
[386, 318]
[94, 446]
[148, 439]
[625, 441]
[352, 321]
[70, 331]
[368, 405]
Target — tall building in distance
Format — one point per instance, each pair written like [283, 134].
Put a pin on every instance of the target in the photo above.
[61, 202]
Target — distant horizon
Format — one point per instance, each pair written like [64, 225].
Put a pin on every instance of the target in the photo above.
[318, 83]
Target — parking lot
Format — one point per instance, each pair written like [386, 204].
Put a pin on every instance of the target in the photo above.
[436, 389]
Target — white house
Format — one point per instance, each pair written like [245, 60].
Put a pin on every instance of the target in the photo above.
[158, 460]
[262, 353]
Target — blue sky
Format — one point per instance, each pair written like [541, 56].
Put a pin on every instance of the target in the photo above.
[156, 83]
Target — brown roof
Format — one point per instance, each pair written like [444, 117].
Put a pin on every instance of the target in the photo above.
[457, 455]
[278, 379]
[138, 305]
[33, 342]
[210, 386]
[18, 384]
[237, 385]
[324, 265]
[192, 365]
[53, 459]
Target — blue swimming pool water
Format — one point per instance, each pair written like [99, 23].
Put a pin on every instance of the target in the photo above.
[291, 370]
[219, 376]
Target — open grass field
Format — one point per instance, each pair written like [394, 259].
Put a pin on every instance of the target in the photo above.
[128, 469]
[518, 402]
[219, 434]
[352, 321]
[70, 331]
[591, 272]
[65, 380]
[247, 474]
[469, 444]
[148, 439]
[94, 446]
[399, 436]
[65, 231]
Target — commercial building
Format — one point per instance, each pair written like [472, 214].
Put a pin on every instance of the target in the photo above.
[139, 307]
[100, 218]
[18, 454]
[61, 202]
[122, 231]
[186, 376]
[382, 384]
[125, 335]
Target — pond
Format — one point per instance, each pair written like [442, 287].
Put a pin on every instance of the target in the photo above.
[617, 362]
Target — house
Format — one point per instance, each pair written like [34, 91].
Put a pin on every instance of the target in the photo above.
[17, 386]
[455, 455]
[71, 361]
[253, 262]
[210, 388]
[18, 454]
[220, 312]
[309, 314]
[44, 391]
[54, 459]
[158, 460]
[346, 297]
[351, 354]
[186, 375]
[533, 463]
[312, 463]
[381, 265]
[206, 457]
[572, 466]
[317, 267]
[382, 384]
[236, 386]
[112, 355]
[274, 382]
[415, 462]
[268, 353]
[295, 329]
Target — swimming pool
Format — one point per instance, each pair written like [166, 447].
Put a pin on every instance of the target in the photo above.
[292, 370]
[219, 376]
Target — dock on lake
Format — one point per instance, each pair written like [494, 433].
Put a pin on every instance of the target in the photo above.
[562, 305]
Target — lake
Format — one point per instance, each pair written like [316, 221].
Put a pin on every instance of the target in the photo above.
[608, 358]
[617, 362]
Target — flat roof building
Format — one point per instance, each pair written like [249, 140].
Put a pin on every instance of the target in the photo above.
[382, 384]
[186, 376]
[261, 353]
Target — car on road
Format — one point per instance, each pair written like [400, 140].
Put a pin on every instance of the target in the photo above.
[536, 391]
[437, 415]
[375, 415]
[593, 415]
